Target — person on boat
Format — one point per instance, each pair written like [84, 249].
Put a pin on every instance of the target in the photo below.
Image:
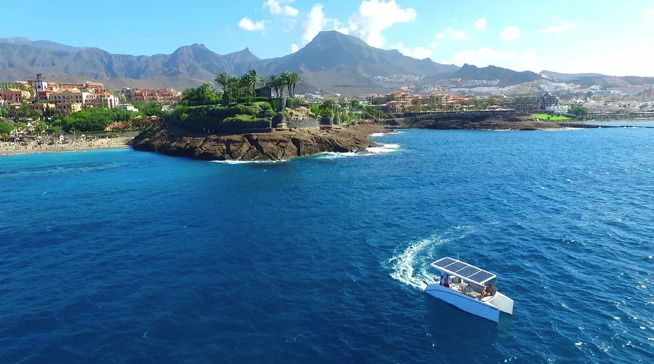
[445, 280]
[488, 291]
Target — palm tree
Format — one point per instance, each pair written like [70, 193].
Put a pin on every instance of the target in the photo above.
[251, 79]
[223, 80]
[286, 80]
[293, 79]
[276, 83]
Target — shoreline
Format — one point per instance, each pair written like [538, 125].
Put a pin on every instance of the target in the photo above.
[79, 146]
[125, 142]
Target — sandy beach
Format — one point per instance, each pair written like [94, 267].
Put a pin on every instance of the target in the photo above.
[7, 148]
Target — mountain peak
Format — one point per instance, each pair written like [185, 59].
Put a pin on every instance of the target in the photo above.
[333, 36]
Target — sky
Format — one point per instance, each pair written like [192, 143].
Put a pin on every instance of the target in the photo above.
[570, 36]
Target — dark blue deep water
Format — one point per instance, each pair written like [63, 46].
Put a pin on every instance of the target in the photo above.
[133, 257]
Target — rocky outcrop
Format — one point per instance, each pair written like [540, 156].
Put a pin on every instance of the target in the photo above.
[476, 120]
[271, 146]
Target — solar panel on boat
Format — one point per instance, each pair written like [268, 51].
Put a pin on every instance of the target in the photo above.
[444, 262]
[464, 270]
[468, 271]
[456, 266]
[481, 276]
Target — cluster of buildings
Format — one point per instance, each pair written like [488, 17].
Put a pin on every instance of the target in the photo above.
[402, 102]
[67, 98]
[163, 96]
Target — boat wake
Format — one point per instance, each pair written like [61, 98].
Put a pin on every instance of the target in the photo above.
[412, 265]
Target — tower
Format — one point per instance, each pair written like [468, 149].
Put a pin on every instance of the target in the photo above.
[40, 84]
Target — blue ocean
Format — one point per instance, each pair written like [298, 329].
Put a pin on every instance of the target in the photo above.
[133, 257]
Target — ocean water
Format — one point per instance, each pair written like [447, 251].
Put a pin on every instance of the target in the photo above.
[132, 257]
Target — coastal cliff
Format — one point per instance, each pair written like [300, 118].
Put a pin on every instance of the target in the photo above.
[272, 146]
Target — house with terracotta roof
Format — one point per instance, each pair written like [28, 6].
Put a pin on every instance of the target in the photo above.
[163, 96]
[69, 101]
[11, 95]
[101, 99]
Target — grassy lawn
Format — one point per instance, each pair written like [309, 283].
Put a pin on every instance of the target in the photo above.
[549, 117]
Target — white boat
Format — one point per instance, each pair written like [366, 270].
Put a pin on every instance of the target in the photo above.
[468, 287]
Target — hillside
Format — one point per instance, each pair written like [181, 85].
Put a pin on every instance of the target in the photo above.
[506, 77]
[331, 61]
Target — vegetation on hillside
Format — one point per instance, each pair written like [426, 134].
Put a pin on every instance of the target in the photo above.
[578, 110]
[235, 99]
[550, 117]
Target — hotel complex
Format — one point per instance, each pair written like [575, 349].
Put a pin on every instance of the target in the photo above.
[67, 98]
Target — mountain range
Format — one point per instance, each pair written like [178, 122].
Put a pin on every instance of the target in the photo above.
[332, 61]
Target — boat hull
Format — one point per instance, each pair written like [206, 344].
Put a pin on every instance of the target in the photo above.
[463, 302]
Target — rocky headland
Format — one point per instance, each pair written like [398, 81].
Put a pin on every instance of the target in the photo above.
[271, 146]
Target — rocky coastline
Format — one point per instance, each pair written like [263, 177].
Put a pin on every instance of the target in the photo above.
[475, 121]
[271, 146]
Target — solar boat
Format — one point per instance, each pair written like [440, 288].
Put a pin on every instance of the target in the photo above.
[470, 289]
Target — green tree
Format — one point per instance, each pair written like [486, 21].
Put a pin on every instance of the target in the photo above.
[204, 94]
[276, 83]
[290, 79]
[578, 110]
[252, 79]
[150, 109]
[223, 79]
[5, 127]
[328, 108]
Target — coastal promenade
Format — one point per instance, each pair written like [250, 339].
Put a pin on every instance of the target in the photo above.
[7, 148]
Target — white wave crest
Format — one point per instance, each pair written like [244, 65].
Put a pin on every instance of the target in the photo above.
[384, 148]
[412, 265]
[249, 162]
[335, 155]
[373, 135]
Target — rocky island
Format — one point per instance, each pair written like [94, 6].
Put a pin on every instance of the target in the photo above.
[267, 146]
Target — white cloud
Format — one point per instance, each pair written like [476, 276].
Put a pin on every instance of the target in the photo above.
[367, 23]
[294, 48]
[510, 33]
[649, 11]
[417, 52]
[628, 59]
[558, 28]
[314, 23]
[450, 33]
[480, 24]
[249, 25]
[373, 17]
[486, 56]
[276, 7]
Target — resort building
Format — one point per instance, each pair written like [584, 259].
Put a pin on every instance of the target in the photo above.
[101, 99]
[12, 95]
[95, 87]
[163, 96]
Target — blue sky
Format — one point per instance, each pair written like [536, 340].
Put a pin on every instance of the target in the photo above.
[607, 36]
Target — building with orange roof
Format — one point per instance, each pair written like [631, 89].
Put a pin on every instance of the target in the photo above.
[11, 95]
[163, 96]
[69, 100]
[96, 87]
[101, 99]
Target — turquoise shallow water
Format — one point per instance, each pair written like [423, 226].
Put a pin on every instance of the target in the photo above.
[123, 256]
